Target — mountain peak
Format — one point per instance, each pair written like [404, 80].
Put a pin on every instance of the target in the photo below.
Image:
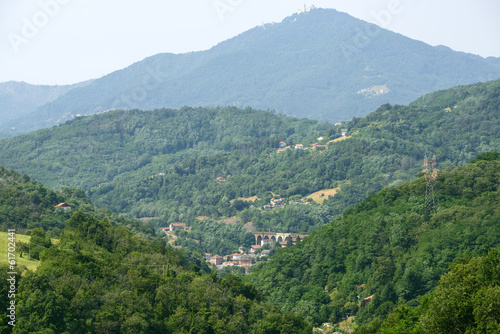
[312, 64]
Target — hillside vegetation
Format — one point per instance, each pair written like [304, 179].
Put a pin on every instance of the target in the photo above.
[105, 279]
[311, 65]
[387, 249]
[465, 301]
[99, 277]
[26, 204]
[166, 163]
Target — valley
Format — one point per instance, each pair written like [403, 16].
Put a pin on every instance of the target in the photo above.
[224, 184]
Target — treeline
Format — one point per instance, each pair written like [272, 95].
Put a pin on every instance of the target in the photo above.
[387, 248]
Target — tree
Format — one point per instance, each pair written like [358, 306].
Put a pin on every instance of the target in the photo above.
[38, 242]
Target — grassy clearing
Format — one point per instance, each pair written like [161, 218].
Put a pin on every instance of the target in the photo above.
[348, 325]
[248, 199]
[317, 198]
[4, 241]
[339, 139]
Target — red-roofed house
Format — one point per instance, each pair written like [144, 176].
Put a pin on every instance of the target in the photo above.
[254, 248]
[63, 206]
[316, 145]
[217, 260]
[366, 300]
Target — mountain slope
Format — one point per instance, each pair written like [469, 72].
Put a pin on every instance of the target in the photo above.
[388, 248]
[17, 99]
[309, 65]
[93, 150]
[165, 163]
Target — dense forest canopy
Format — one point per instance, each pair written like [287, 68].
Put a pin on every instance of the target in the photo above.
[466, 300]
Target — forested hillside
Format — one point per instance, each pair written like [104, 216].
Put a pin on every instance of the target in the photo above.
[321, 64]
[388, 248]
[26, 204]
[89, 151]
[102, 278]
[465, 301]
[166, 163]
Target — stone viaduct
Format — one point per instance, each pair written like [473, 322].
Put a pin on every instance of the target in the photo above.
[276, 236]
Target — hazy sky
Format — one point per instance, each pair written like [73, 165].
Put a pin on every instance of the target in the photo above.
[68, 41]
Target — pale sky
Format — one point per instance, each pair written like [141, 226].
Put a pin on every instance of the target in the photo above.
[68, 41]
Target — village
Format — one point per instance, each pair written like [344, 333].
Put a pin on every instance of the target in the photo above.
[246, 257]
[264, 241]
[283, 146]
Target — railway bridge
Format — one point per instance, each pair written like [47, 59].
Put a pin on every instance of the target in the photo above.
[277, 237]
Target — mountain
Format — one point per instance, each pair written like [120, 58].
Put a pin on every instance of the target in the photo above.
[320, 64]
[18, 99]
[388, 249]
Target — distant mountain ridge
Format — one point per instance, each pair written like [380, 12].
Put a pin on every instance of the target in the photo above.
[315, 64]
[18, 99]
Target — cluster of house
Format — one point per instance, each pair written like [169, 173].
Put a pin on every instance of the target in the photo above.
[237, 259]
[281, 202]
[247, 259]
[374, 90]
[282, 146]
[275, 203]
